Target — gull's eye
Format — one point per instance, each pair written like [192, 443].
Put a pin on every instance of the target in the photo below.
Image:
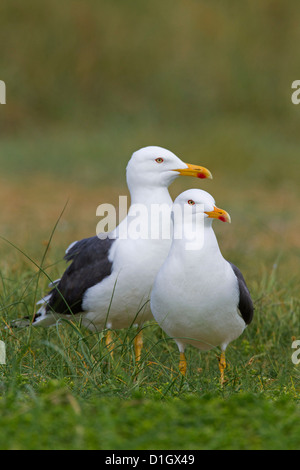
[159, 160]
[191, 202]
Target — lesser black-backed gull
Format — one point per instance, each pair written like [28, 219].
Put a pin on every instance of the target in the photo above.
[198, 297]
[109, 280]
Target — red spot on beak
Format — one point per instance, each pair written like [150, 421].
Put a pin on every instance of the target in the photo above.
[201, 175]
[222, 218]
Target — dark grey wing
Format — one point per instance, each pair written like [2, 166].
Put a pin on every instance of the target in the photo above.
[245, 303]
[90, 265]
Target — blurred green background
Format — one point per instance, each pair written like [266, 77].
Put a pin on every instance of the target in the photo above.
[90, 82]
[94, 63]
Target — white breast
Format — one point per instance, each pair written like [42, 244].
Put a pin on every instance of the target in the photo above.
[122, 299]
[197, 306]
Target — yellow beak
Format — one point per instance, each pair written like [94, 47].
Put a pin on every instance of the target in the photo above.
[195, 170]
[219, 214]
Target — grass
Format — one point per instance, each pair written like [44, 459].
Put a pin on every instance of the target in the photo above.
[243, 421]
[61, 388]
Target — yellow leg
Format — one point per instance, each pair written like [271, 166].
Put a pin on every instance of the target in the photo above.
[109, 342]
[222, 366]
[182, 363]
[138, 346]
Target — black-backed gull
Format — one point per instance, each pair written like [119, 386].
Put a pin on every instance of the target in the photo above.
[198, 297]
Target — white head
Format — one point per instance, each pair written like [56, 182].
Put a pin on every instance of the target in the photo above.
[154, 167]
[197, 205]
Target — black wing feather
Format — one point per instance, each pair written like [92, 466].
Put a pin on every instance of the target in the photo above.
[245, 303]
[90, 265]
